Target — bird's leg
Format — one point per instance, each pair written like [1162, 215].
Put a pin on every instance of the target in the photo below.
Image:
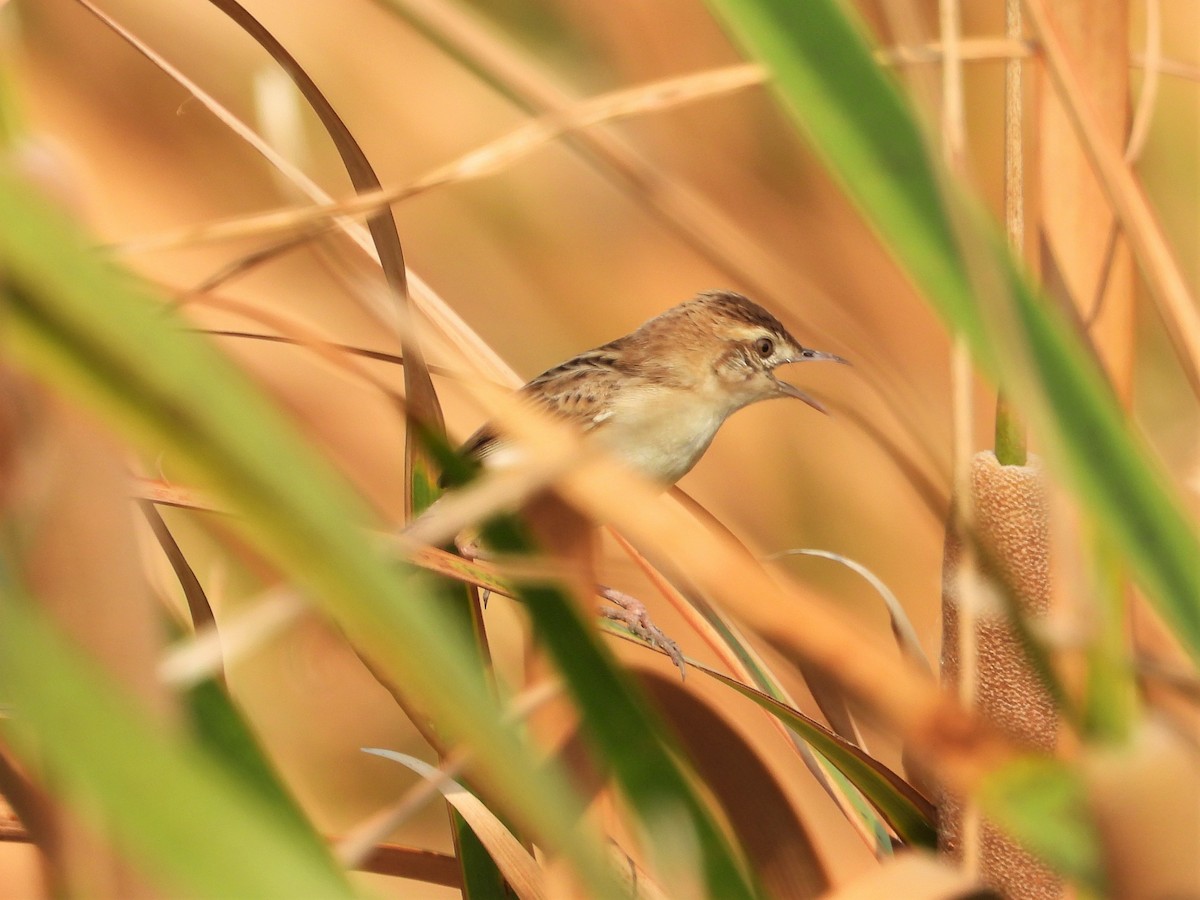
[469, 548]
[631, 612]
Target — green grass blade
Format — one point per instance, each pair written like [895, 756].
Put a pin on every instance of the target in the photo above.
[858, 122]
[835, 778]
[1041, 802]
[632, 740]
[185, 818]
[910, 814]
[100, 335]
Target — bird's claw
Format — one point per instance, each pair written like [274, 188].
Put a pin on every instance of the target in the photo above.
[632, 613]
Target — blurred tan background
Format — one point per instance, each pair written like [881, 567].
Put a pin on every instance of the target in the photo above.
[544, 260]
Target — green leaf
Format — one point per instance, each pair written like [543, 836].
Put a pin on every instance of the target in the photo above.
[632, 740]
[101, 336]
[858, 122]
[910, 814]
[186, 819]
[221, 730]
[1041, 803]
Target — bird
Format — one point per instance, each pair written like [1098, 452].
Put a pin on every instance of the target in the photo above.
[656, 397]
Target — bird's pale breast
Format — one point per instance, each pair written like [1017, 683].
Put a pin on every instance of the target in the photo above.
[661, 433]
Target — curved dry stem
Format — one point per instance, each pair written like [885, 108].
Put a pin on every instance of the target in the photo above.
[1168, 288]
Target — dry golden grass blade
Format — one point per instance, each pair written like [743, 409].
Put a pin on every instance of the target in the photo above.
[166, 494]
[1014, 135]
[496, 575]
[636, 880]
[297, 333]
[953, 117]
[361, 844]
[421, 399]
[379, 355]
[1085, 264]
[775, 839]
[1143, 113]
[425, 298]
[968, 50]
[1165, 281]
[1168, 67]
[426, 866]
[701, 224]
[961, 748]
[208, 652]
[691, 216]
[193, 591]
[484, 161]
[701, 623]
[962, 381]
[913, 876]
[902, 627]
[828, 697]
[891, 690]
[422, 407]
[1145, 795]
[219, 111]
[518, 866]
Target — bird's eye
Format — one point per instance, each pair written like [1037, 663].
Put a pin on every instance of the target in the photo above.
[764, 346]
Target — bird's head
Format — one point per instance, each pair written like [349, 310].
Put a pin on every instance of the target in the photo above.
[735, 345]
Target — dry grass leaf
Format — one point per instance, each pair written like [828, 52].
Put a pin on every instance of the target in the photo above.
[450, 324]
[1167, 66]
[208, 652]
[760, 813]
[519, 868]
[609, 493]
[1146, 798]
[1141, 227]
[913, 876]
[489, 159]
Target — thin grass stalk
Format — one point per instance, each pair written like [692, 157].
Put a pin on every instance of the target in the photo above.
[700, 223]
[959, 822]
[982, 655]
[730, 646]
[1010, 438]
[1079, 44]
[423, 411]
[439, 313]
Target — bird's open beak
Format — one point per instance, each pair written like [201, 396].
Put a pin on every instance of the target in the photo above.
[789, 390]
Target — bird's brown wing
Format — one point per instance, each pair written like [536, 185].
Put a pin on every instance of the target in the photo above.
[579, 391]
